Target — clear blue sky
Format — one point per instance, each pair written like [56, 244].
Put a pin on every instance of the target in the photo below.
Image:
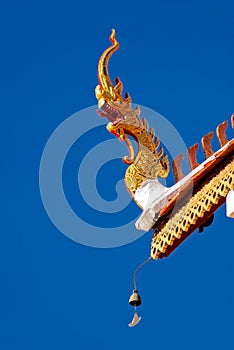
[176, 57]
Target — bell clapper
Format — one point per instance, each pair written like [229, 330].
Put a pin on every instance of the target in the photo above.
[136, 319]
[135, 299]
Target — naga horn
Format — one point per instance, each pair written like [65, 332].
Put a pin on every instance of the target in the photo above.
[103, 76]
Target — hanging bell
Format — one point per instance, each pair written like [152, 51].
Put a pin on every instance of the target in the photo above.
[135, 299]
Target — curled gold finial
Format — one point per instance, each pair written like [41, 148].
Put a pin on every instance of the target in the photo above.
[106, 91]
[103, 76]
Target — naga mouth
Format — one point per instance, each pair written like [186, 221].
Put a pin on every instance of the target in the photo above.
[112, 114]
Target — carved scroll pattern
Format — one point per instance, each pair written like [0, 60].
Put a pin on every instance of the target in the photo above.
[197, 206]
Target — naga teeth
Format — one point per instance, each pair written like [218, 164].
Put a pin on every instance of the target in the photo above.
[113, 113]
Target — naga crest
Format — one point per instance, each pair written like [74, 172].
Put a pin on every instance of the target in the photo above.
[149, 162]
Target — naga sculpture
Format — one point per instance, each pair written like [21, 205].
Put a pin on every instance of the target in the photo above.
[149, 161]
[173, 213]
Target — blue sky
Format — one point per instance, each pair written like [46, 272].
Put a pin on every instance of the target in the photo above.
[177, 58]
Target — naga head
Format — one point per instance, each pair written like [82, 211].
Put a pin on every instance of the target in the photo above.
[110, 101]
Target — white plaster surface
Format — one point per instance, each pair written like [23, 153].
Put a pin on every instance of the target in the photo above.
[230, 204]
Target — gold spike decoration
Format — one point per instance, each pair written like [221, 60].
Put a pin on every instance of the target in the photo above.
[192, 156]
[221, 133]
[176, 167]
[206, 144]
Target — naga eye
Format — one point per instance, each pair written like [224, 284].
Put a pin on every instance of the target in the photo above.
[101, 102]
